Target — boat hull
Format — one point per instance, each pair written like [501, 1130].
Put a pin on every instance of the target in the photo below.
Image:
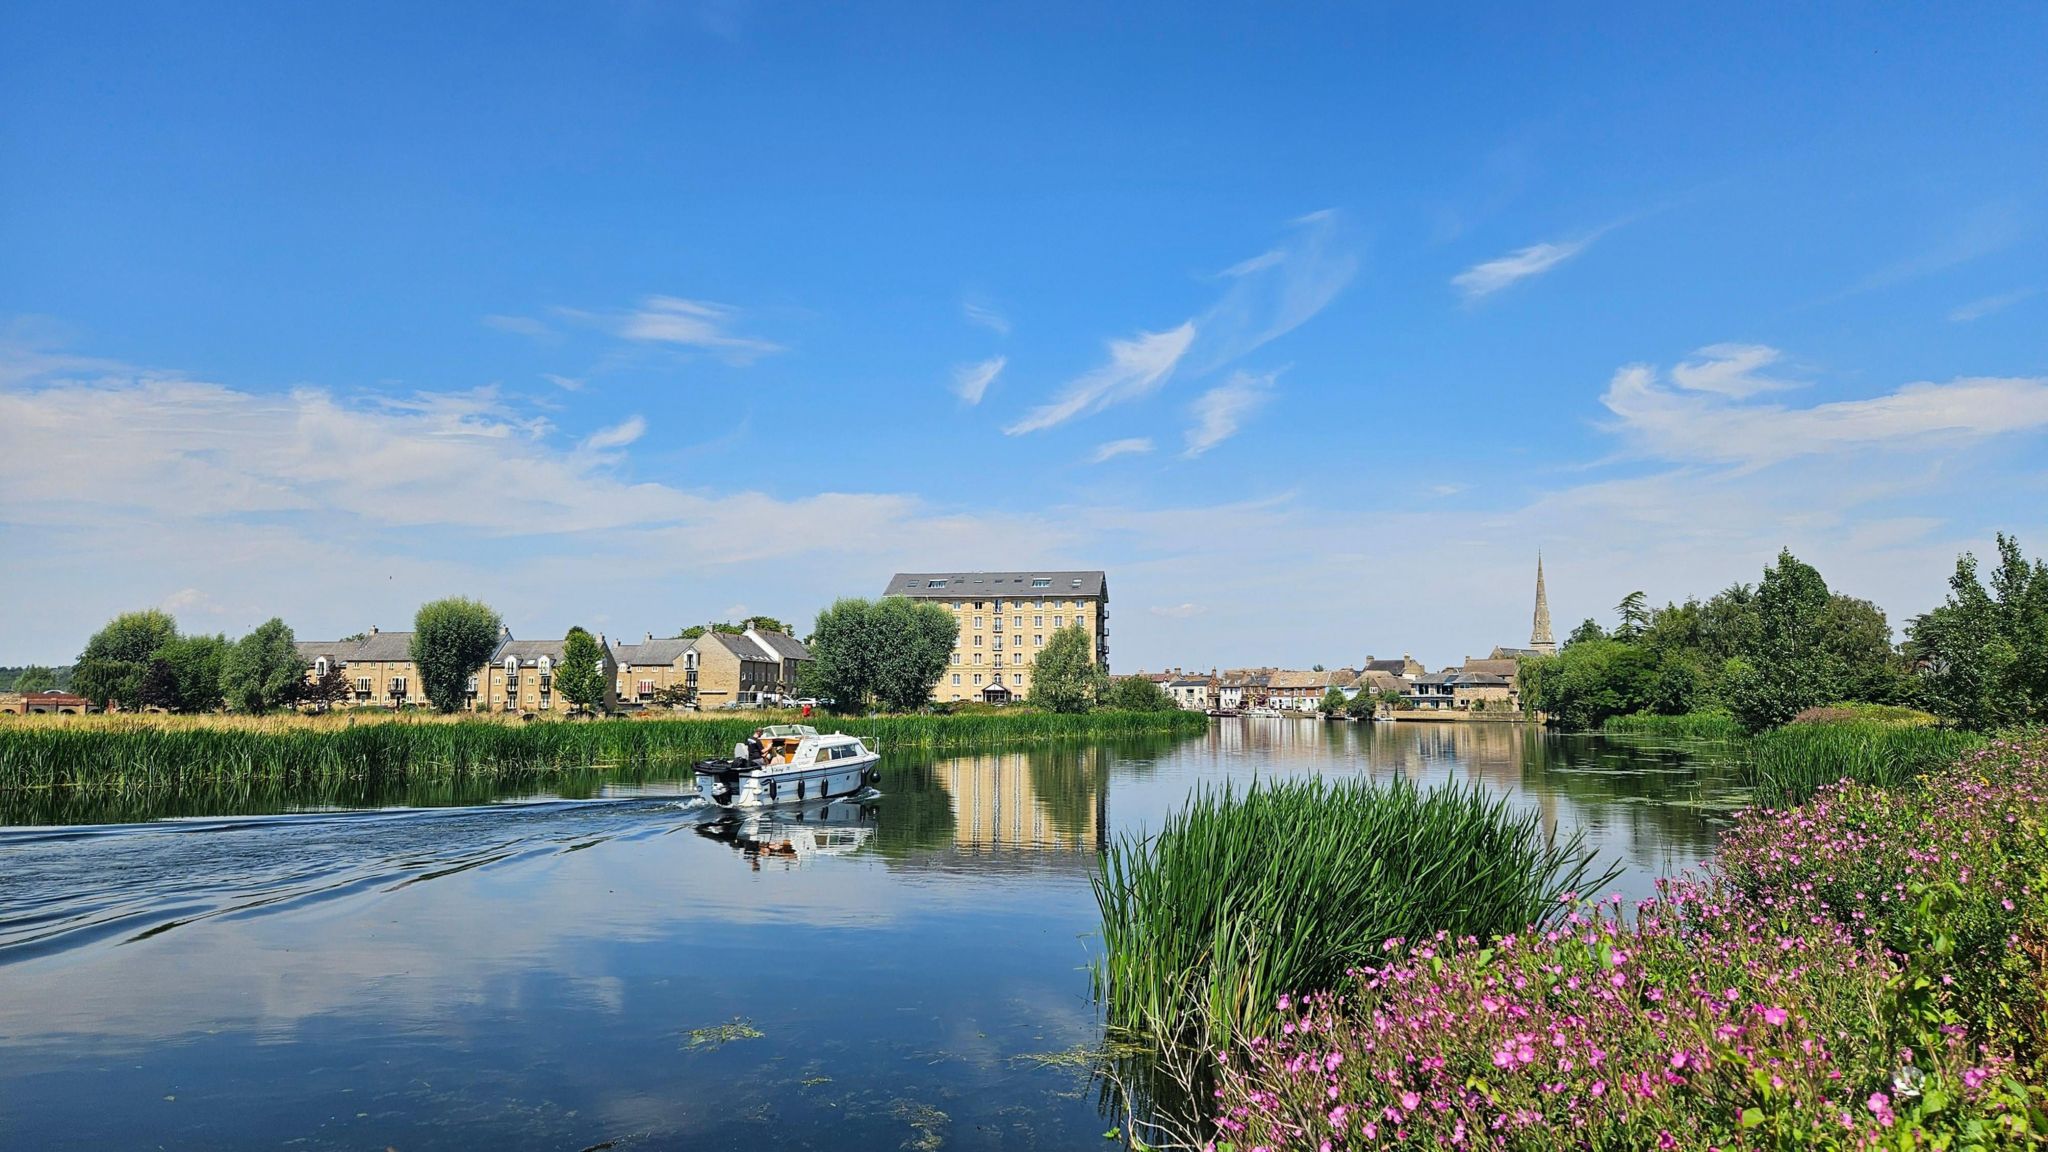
[730, 787]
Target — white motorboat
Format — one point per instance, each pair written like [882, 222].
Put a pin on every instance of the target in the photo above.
[797, 765]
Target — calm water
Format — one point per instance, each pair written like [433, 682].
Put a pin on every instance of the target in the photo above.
[550, 973]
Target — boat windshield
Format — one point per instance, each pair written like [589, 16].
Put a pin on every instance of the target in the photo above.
[787, 731]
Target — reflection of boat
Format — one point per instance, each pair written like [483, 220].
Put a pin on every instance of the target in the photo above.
[797, 764]
[836, 828]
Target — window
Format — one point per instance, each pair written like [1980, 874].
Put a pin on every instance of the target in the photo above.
[977, 660]
[977, 605]
[1041, 581]
[647, 688]
[320, 666]
[1059, 621]
[1016, 621]
[956, 656]
[546, 666]
[1016, 657]
[977, 641]
[511, 668]
[977, 620]
[956, 679]
[935, 583]
[1037, 622]
[999, 678]
[363, 685]
[977, 677]
[1038, 641]
[398, 685]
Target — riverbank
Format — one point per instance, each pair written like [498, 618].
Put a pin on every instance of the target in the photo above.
[1870, 744]
[1863, 970]
[126, 753]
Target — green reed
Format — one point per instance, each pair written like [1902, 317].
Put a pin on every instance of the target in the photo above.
[1240, 898]
[119, 759]
[1787, 765]
[1713, 724]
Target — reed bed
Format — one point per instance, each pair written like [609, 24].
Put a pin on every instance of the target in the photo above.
[1282, 889]
[122, 754]
[1708, 725]
[1788, 765]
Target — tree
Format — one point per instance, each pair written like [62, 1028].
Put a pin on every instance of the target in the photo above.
[888, 653]
[765, 624]
[1786, 665]
[1333, 702]
[580, 679]
[1363, 706]
[1588, 629]
[1981, 654]
[1137, 694]
[451, 639]
[1580, 687]
[111, 668]
[327, 689]
[185, 674]
[35, 678]
[263, 670]
[1634, 612]
[1065, 677]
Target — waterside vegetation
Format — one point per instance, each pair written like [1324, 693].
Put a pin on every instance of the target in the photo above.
[122, 754]
[1861, 971]
[1242, 896]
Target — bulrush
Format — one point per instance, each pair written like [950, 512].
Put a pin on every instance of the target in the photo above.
[1863, 971]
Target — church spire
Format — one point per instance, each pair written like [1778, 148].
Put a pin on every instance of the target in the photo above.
[1540, 638]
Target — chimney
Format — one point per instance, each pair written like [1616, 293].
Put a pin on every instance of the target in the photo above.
[373, 629]
[650, 637]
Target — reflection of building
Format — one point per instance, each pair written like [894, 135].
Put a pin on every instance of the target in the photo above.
[1005, 618]
[1046, 800]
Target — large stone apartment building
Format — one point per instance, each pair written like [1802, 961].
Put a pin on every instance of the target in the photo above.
[1005, 620]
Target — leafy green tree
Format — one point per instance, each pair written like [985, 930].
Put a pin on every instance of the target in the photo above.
[1983, 654]
[765, 624]
[581, 677]
[1137, 694]
[451, 639]
[35, 678]
[1588, 629]
[887, 652]
[185, 674]
[1065, 677]
[1580, 687]
[1333, 702]
[263, 670]
[1787, 665]
[111, 668]
[1363, 706]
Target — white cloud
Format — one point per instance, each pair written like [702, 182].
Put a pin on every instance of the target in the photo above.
[186, 600]
[971, 381]
[617, 436]
[1176, 611]
[1487, 278]
[1136, 368]
[979, 312]
[518, 325]
[565, 383]
[1701, 420]
[1112, 449]
[1978, 309]
[692, 324]
[1730, 370]
[1222, 410]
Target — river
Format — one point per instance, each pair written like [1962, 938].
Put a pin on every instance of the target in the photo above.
[621, 971]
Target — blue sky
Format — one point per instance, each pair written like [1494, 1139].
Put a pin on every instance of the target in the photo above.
[1310, 326]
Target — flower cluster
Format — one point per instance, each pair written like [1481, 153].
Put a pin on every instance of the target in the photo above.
[1853, 973]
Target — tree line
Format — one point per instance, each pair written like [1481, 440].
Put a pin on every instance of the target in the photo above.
[1768, 651]
[140, 660]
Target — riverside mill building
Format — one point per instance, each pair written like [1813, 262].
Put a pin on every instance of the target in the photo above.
[1005, 619]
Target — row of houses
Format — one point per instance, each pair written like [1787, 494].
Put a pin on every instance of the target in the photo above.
[1490, 684]
[712, 670]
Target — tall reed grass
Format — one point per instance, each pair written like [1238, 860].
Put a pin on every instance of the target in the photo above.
[1713, 724]
[1242, 897]
[1787, 765]
[122, 755]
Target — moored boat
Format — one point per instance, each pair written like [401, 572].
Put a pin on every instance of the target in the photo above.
[797, 764]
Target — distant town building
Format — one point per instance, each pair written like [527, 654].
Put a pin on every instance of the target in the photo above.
[1005, 620]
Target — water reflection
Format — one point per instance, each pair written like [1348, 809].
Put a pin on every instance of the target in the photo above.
[525, 972]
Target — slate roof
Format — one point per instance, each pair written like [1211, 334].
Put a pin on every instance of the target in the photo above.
[336, 651]
[997, 584]
[739, 646]
[784, 646]
[1394, 666]
[384, 646]
[528, 652]
[1492, 667]
[660, 650]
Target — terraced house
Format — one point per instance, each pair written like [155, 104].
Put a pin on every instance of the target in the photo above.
[378, 666]
[714, 669]
[521, 677]
[1004, 620]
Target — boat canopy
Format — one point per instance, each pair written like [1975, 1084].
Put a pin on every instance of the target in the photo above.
[788, 731]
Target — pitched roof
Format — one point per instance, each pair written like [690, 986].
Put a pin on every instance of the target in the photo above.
[1395, 666]
[660, 650]
[384, 646]
[1326, 679]
[739, 646]
[1375, 680]
[1498, 667]
[779, 645]
[997, 584]
[336, 650]
[528, 652]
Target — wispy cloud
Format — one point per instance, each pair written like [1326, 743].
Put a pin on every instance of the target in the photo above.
[673, 320]
[1485, 279]
[971, 381]
[565, 383]
[982, 313]
[1987, 228]
[1222, 410]
[1136, 367]
[1733, 370]
[617, 436]
[518, 326]
[1112, 449]
[1700, 414]
[1176, 611]
[1978, 309]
